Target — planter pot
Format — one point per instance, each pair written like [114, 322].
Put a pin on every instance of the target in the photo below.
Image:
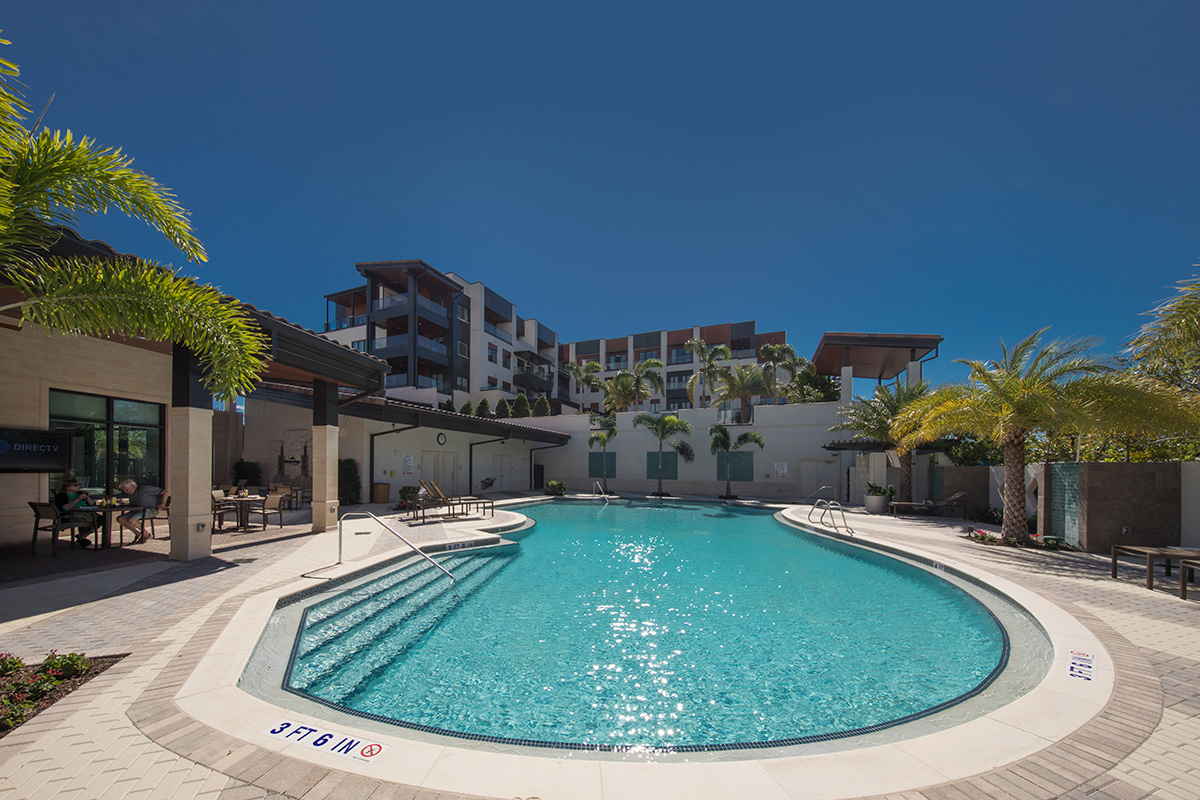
[876, 503]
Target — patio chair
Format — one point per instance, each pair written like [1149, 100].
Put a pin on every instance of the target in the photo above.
[953, 500]
[463, 501]
[273, 504]
[164, 513]
[47, 517]
[221, 506]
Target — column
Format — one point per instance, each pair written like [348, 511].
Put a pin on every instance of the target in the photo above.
[324, 456]
[912, 369]
[190, 456]
[847, 385]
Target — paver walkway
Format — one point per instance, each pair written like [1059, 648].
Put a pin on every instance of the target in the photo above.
[121, 735]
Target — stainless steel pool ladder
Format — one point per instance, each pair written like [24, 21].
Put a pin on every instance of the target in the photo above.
[394, 532]
[827, 508]
[597, 489]
[817, 492]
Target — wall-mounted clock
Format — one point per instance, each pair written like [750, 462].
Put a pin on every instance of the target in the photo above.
[441, 438]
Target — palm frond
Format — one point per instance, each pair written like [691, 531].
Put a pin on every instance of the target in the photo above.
[684, 449]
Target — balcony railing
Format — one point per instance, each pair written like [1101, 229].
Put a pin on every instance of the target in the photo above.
[686, 358]
[436, 308]
[499, 334]
[345, 322]
[426, 382]
[617, 363]
[391, 301]
[748, 352]
[677, 383]
[437, 347]
[395, 381]
[646, 356]
[399, 340]
[499, 388]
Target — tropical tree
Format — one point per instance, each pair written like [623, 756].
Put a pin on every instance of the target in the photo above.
[602, 438]
[664, 428]
[806, 386]
[645, 380]
[542, 407]
[584, 375]
[519, 407]
[1057, 387]
[775, 357]
[708, 368]
[721, 441]
[50, 178]
[621, 391]
[874, 420]
[1169, 346]
[740, 383]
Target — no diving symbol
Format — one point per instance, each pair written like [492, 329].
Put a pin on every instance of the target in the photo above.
[371, 750]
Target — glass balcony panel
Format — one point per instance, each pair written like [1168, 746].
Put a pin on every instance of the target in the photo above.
[400, 340]
[393, 381]
[391, 301]
[499, 334]
[429, 305]
[437, 347]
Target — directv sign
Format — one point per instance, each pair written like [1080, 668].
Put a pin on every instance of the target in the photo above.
[34, 451]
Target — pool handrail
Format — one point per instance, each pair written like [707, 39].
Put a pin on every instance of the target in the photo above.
[828, 507]
[597, 489]
[819, 489]
[395, 533]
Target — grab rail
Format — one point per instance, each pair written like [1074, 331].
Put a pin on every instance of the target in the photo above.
[828, 507]
[394, 532]
[597, 489]
[814, 494]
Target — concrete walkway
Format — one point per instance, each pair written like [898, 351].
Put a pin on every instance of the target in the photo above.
[122, 735]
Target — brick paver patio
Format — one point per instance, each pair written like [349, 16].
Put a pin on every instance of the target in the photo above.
[122, 735]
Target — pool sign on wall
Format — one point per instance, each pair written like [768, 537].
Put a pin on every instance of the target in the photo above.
[342, 744]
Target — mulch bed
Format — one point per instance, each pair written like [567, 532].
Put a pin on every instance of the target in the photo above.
[99, 665]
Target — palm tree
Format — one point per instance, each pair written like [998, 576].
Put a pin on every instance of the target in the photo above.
[777, 356]
[602, 438]
[722, 442]
[806, 386]
[1170, 345]
[621, 391]
[645, 381]
[584, 375]
[1056, 387]
[664, 428]
[740, 383]
[707, 370]
[48, 179]
[874, 419]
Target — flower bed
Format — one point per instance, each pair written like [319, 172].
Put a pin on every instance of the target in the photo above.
[26, 689]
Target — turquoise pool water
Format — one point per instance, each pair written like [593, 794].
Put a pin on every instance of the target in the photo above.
[631, 625]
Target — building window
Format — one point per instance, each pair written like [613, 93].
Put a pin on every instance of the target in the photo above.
[646, 354]
[506, 386]
[360, 345]
[491, 382]
[461, 382]
[492, 353]
[464, 349]
[678, 405]
[507, 360]
[464, 313]
[679, 355]
[111, 440]
[654, 405]
[618, 362]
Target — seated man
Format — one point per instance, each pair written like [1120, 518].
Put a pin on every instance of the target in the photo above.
[69, 498]
[143, 504]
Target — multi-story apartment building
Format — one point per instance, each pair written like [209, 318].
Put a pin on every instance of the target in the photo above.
[667, 346]
[444, 337]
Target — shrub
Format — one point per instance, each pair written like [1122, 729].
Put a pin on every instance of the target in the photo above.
[248, 471]
[406, 495]
[9, 664]
[556, 488]
[991, 516]
[447, 404]
[542, 407]
[502, 410]
[520, 406]
[67, 664]
[349, 482]
[484, 409]
[876, 490]
[468, 409]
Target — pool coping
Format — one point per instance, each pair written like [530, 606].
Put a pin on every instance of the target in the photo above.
[1053, 710]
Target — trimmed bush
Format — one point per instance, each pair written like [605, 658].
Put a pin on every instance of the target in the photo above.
[542, 407]
[485, 408]
[469, 409]
[349, 482]
[520, 406]
[502, 410]
[556, 488]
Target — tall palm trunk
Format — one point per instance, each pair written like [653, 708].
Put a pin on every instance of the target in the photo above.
[728, 474]
[660, 491]
[906, 462]
[1015, 524]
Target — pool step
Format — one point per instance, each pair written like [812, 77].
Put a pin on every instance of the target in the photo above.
[337, 667]
[331, 618]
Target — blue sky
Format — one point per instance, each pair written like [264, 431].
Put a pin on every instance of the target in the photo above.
[973, 170]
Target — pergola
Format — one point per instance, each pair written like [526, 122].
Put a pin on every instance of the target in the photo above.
[882, 356]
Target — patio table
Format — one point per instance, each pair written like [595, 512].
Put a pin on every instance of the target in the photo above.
[1153, 554]
[106, 513]
[243, 509]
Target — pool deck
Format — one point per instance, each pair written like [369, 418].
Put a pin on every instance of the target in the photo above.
[125, 734]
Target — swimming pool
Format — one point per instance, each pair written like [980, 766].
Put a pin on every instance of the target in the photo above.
[651, 625]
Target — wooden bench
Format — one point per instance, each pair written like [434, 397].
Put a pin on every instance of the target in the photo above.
[1153, 554]
[1187, 572]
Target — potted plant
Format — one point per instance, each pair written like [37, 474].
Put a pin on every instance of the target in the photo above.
[877, 498]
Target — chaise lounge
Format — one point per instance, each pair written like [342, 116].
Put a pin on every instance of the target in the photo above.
[953, 500]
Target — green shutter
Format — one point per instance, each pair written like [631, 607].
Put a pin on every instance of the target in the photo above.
[597, 462]
[670, 465]
[742, 466]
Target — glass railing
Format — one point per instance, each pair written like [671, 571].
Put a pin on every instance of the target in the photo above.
[499, 389]
[677, 384]
[436, 308]
[646, 356]
[437, 347]
[360, 345]
[686, 358]
[745, 353]
[400, 340]
[620, 363]
[391, 301]
[499, 334]
[394, 381]
[426, 382]
[346, 322]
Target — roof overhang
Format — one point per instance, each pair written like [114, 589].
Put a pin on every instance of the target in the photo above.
[299, 355]
[872, 355]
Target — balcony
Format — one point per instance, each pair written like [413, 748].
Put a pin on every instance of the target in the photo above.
[391, 301]
[686, 358]
[499, 334]
[748, 352]
[395, 381]
[436, 308]
[536, 379]
[345, 322]
[431, 345]
[398, 344]
[498, 388]
[617, 363]
[426, 382]
[677, 384]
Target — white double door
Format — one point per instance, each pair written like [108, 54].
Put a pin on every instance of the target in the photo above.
[441, 467]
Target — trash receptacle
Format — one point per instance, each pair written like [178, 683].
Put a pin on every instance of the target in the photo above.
[380, 492]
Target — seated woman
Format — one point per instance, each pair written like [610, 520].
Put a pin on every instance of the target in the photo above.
[68, 499]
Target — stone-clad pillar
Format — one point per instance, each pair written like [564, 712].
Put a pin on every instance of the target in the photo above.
[190, 454]
[324, 456]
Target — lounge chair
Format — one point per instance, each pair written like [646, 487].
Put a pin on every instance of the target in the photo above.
[953, 500]
[464, 501]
